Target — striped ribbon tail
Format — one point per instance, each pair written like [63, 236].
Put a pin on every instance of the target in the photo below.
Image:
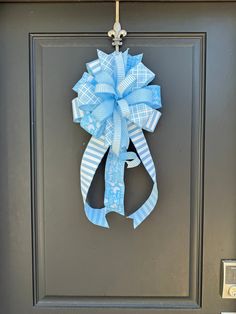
[140, 143]
[91, 159]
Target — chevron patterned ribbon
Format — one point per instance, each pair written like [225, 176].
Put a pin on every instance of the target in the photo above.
[114, 104]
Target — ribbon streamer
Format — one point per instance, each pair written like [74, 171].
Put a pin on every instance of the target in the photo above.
[114, 104]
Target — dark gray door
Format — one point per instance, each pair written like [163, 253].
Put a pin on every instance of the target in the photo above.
[52, 259]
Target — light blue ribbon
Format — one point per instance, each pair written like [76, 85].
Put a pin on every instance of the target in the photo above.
[114, 104]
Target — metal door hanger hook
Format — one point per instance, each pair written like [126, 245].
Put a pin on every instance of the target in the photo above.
[117, 33]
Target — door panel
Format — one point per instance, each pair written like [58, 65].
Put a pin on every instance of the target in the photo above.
[172, 261]
[106, 258]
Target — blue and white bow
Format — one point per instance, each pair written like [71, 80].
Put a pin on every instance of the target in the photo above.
[114, 104]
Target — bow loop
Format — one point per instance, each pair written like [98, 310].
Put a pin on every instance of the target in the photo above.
[142, 74]
[142, 95]
[144, 116]
[87, 96]
[103, 88]
[103, 110]
[126, 85]
[104, 77]
[77, 112]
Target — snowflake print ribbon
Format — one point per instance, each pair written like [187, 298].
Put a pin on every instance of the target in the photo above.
[114, 104]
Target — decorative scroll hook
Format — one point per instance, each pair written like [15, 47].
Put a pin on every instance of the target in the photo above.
[117, 33]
